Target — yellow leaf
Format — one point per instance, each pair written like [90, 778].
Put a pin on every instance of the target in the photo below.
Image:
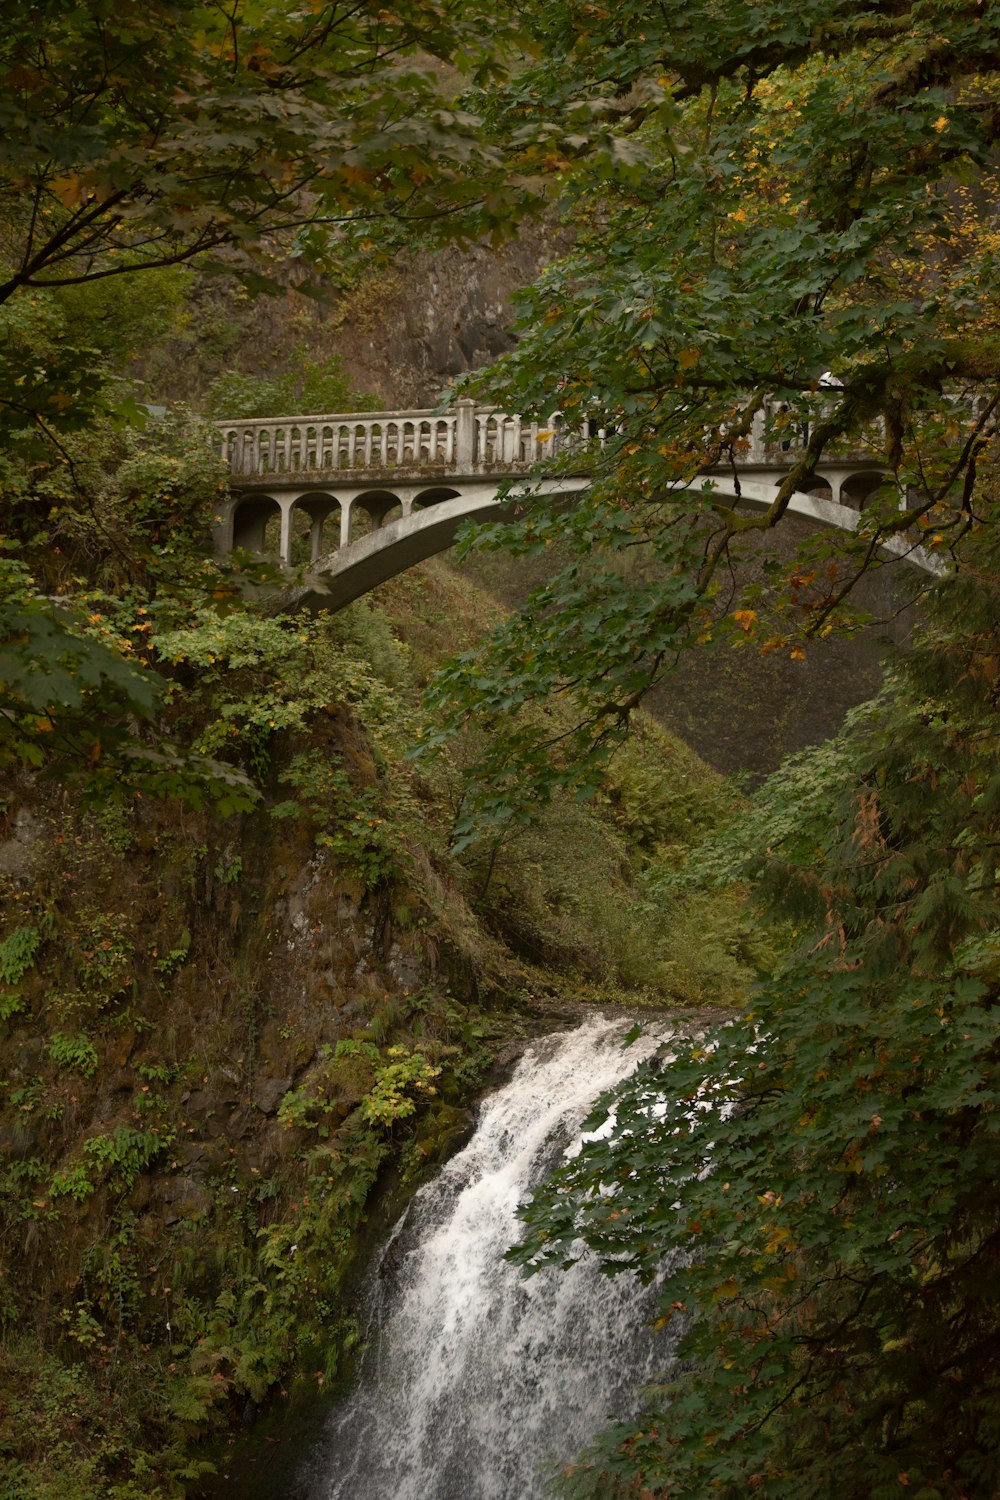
[70, 189]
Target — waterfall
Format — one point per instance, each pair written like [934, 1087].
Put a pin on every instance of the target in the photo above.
[478, 1382]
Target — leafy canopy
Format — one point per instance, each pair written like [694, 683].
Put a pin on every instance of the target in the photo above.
[786, 211]
[780, 211]
[818, 1177]
[139, 135]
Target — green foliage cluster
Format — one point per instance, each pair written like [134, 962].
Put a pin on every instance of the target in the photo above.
[113, 526]
[136, 141]
[396, 1080]
[351, 824]
[309, 386]
[778, 223]
[50, 1403]
[17, 953]
[817, 1177]
[73, 1052]
[388, 1085]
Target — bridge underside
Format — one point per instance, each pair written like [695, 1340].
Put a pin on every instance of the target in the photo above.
[428, 517]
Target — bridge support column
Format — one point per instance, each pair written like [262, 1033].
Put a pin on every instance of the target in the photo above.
[222, 530]
[405, 494]
[316, 538]
[345, 522]
[287, 504]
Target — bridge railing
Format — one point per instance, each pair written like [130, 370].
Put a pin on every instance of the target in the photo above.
[466, 440]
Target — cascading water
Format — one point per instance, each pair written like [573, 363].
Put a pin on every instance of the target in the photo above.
[478, 1382]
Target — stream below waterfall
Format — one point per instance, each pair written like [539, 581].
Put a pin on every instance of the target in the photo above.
[477, 1382]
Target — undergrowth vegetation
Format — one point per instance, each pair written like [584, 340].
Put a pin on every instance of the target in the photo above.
[247, 985]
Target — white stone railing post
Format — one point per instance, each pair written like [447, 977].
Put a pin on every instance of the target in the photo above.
[465, 434]
[757, 425]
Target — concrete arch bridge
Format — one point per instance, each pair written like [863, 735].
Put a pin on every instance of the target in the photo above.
[358, 497]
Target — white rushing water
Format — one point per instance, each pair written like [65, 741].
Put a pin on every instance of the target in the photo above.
[477, 1381]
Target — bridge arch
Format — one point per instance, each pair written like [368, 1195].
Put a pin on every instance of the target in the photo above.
[344, 575]
[857, 489]
[249, 519]
[377, 507]
[318, 506]
[434, 496]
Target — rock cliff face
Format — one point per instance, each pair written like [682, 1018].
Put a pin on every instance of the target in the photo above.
[439, 317]
[213, 1037]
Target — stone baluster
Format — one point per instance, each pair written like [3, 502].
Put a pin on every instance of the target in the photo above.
[511, 439]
